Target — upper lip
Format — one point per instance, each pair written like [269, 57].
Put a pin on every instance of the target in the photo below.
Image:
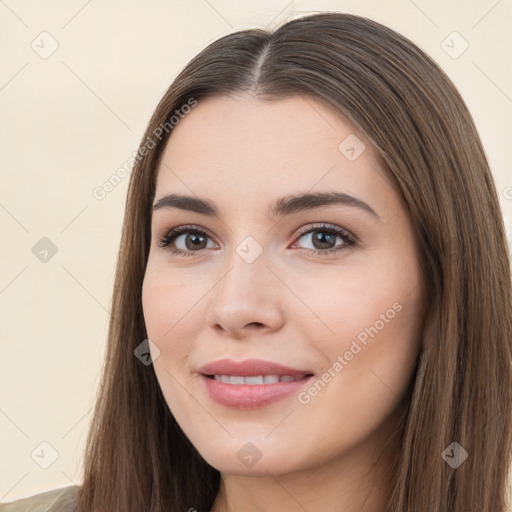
[249, 367]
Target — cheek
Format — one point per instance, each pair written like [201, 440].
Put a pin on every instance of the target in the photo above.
[166, 311]
[167, 300]
[353, 299]
[155, 299]
[371, 328]
[368, 366]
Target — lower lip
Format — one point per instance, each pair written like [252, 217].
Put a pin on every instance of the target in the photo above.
[251, 396]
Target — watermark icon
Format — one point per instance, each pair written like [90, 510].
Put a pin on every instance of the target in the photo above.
[147, 352]
[351, 147]
[454, 45]
[100, 192]
[249, 249]
[454, 455]
[44, 455]
[305, 397]
[44, 250]
[507, 193]
[45, 45]
[249, 454]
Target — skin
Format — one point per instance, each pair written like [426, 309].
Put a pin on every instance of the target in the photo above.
[290, 305]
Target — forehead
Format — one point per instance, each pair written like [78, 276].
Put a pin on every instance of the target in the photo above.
[255, 147]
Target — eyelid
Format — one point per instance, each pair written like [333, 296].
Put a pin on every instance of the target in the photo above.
[184, 228]
[327, 226]
[350, 240]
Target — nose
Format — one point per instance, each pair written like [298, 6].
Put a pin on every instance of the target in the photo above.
[247, 298]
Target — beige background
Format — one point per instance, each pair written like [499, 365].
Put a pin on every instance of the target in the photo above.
[69, 120]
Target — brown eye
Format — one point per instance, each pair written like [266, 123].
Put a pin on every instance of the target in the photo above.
[323, 239]
[186, 240]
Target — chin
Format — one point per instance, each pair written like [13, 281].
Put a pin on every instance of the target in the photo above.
[249, 458]
[233, 466]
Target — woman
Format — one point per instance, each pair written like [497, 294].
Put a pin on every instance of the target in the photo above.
[314, 261]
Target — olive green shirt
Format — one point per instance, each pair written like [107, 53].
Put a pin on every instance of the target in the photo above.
[56, 500]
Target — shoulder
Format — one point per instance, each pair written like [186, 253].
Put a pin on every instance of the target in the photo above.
[55, 500]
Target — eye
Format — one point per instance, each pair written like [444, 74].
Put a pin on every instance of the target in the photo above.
[190, 240]
[323, 238]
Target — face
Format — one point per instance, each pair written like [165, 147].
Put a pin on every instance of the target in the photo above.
[307, 312]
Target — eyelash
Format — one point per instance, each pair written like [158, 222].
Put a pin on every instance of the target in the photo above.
[349, 240]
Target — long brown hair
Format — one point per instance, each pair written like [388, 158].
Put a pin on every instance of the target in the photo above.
[137, 458]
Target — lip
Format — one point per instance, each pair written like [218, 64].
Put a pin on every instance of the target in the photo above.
[249, 367]
[250, 396]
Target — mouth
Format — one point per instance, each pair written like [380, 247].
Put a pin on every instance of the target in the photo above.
[253, 380]
[252, 383]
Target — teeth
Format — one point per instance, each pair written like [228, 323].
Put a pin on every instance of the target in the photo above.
[257, 379]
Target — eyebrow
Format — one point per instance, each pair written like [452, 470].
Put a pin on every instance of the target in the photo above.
[286, 205]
